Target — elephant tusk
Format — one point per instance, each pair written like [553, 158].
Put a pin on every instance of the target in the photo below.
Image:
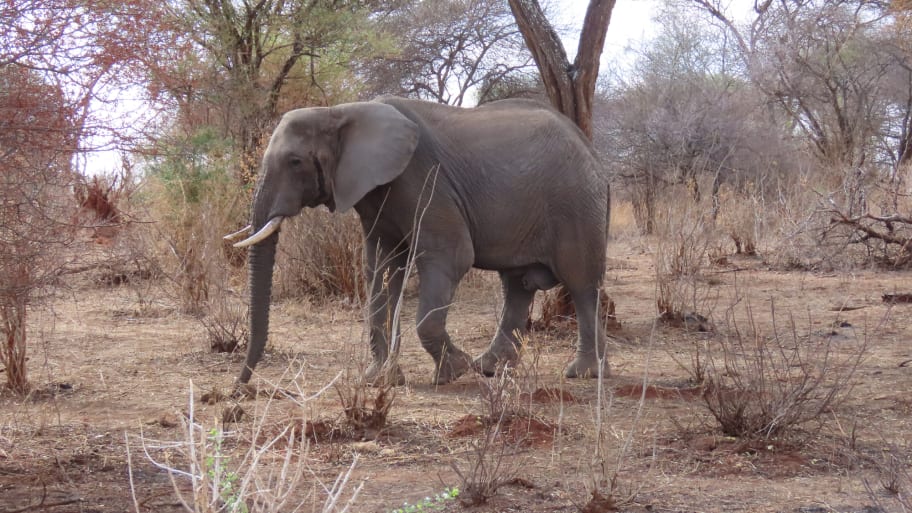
[264, 232]
[231, 237]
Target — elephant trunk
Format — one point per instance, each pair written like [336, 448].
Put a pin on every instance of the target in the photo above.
[261, 262]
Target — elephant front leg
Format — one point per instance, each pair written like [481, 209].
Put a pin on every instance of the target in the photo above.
[435, 295]
[385, 275]
[505, 348]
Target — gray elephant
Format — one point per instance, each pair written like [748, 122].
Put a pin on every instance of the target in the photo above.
[510, 186]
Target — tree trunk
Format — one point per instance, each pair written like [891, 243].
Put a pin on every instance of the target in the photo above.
[570, 87]
[13, 312]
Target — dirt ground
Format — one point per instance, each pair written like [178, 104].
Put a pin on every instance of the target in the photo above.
[113, 386]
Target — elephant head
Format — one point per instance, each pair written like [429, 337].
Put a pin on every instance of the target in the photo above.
[317, 156]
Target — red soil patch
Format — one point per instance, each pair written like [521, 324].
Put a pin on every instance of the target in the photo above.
[548, 395]
[515, 429]
[635, 391]
[727, 456]
[320, 431]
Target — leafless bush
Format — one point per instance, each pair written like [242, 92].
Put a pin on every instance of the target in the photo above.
[320, 256]
[761, 384]
[740, 217]
[887, 239]
[684, 238]
[895, 481]
[606, 489]
[813, 231]
[366, 407]
[38, 134]
[226, 325]
[492, 458]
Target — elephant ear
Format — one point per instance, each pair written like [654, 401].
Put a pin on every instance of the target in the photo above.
[377, 144]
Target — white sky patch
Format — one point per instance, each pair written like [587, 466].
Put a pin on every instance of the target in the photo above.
[631, 25]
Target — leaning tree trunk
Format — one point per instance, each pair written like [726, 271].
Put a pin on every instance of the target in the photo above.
[570, 86]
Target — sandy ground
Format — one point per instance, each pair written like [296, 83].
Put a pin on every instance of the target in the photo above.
[113, 388]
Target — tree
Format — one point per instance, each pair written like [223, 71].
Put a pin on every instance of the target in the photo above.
[450, 50]
[38, 136]
[237, 65]
[55, 56]
[570, 86]
[826, 67]
[687, 115]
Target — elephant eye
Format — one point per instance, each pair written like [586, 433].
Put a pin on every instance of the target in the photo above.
[294, 161]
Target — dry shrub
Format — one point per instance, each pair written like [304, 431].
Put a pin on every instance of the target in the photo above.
[895, 481]
[881, 233]
[816, 223]
[623, 222]
[684, 239]
[795, 241]
[320, 255]
[193, 206]
[492, 460]
[101, 201]
[130, 261]
[558, 313]
[214, 470]
[765, 383]
[226, 325]
[38, 243]
[366, 408]
[739, 215]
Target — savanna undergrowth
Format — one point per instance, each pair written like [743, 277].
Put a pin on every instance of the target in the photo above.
[767, 381]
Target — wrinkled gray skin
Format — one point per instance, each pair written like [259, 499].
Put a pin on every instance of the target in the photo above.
[516, 189]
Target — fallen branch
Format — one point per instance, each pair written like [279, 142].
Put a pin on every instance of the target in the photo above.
[893, 231]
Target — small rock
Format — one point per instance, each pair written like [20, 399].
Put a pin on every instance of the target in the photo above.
[232, 414]
[213, 396]
[369, 447]
[168, 420]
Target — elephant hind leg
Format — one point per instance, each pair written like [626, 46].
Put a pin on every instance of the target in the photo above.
[591, 359]
[504, 349]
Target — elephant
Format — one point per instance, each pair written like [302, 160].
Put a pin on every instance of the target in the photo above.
[510, 186]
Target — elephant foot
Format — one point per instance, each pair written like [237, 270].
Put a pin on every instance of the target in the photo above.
[496, 359]
[380, 374]
[586, 365]
[453, 364]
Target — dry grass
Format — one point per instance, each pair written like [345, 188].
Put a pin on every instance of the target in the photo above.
[366, 408]
[321, 256]
[272, 474]
[740, 216]
[226, 325]
[894, 492]
[623, 223]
